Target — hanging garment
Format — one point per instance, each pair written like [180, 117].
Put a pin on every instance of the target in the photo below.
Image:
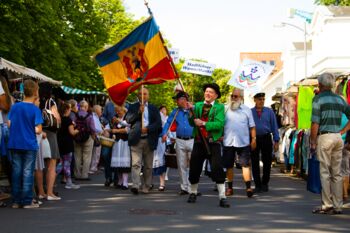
[305, 96]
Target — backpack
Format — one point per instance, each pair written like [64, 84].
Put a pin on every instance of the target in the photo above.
[81, 124]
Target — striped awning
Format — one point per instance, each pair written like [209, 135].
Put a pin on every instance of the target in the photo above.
[75, 91]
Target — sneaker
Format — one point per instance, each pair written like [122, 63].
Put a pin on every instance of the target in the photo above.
[35, 201]
[15, 206]
[72, 186]
[53, 198]
[31, 206]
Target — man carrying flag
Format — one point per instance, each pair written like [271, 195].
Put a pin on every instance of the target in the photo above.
[145, 128]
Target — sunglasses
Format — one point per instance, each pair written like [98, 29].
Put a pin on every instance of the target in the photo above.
[235, 96]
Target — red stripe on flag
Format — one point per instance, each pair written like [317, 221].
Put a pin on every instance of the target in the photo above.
[160, 73]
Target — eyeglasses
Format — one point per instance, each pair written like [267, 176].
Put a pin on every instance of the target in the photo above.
[235, 96]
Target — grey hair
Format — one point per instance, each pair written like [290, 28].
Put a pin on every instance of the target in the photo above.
[97, 107]
[72, 103]
[83, 102]
[327, 80]
[241, 91]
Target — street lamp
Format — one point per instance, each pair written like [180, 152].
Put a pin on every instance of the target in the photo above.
[283, 24]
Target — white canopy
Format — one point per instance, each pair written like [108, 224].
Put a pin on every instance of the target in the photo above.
[21, 70]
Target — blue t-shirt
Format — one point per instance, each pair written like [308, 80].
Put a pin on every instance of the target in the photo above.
[24, 117]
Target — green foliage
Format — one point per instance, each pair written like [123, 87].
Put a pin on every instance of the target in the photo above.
[58, 38]
[333, 2]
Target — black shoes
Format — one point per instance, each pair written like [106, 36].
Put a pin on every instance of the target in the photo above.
[249, 192]
[223, 203]
[192, 198]
[265, 188]
[134, 191]
[183, 192]
[257, 190]
[108, 183]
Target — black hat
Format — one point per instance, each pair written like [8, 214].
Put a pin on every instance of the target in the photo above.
[260, 94]
[213, 86]
[181, 94]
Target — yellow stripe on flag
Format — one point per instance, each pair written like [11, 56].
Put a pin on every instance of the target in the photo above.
[154, 51]
[113, 74]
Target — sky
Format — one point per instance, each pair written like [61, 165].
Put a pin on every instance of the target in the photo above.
[218, 30]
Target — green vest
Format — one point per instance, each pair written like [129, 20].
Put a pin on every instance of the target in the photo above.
[216, 119]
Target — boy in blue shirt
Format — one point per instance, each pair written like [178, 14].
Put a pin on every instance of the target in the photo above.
[25, 121]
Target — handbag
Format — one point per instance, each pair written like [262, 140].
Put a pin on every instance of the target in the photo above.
[170, 157]
[45, 149]
[50, 115]
[313, 178]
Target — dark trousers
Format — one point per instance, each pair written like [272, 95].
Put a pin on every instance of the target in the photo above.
[198, 156]
[110, 173]
[263, 145]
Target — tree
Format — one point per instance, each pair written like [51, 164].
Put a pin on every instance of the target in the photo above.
[58, 38]
[333, 2]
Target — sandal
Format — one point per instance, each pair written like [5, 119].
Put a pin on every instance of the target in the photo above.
[161, 188]
[322, 211]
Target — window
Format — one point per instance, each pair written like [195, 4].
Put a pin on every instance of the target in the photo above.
[272, 62]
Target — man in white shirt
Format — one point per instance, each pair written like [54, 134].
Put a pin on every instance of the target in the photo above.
[146, 126]
[240, 138]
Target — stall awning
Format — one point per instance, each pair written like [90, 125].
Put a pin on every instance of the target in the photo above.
[24, 71]
[75, 91]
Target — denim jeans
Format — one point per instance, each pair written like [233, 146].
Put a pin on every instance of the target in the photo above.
[23, 163]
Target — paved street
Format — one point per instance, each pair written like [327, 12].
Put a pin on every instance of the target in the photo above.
[94, 208]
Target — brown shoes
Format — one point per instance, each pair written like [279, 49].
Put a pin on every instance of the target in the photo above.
[229, 192]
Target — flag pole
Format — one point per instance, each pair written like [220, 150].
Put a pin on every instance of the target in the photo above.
[149, 9]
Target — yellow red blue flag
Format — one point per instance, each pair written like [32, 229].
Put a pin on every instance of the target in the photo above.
[139, 58]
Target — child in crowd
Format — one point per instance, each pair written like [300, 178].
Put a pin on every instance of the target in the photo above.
[25, 122]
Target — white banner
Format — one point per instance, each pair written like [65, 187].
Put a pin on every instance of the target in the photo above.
[196, 67]
[250, 75]
[175, 55]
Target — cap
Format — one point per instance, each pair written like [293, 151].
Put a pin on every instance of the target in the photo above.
[260, 94]
[181, 94]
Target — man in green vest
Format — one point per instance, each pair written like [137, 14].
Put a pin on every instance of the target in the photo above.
[208, 118]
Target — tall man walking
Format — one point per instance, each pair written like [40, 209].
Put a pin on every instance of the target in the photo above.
[325, 138]
[143, 139]
[184, 138]
[265, 124]
[240, 138]
[209, 119]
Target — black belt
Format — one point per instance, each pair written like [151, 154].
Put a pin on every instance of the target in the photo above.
[324, 132]
[143, 137]
[184, 138]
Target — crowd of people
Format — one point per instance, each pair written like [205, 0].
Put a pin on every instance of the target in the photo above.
[67, 138]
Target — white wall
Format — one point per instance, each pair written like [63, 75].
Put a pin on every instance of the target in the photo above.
[331, 36]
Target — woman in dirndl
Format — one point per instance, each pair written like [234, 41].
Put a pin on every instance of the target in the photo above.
[121, 158]
[159, 167]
